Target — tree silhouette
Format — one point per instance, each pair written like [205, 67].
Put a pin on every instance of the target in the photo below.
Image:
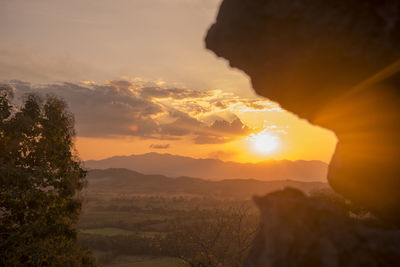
[40, 178]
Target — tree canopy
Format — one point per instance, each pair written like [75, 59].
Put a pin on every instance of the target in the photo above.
[40, 180]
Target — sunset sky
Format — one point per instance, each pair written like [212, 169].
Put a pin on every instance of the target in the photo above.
[137, 77]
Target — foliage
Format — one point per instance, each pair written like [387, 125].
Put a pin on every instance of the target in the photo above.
[40, 178]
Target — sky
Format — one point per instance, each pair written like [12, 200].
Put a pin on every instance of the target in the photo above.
[138, 79]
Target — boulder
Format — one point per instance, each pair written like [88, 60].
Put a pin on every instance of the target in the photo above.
[335, 63]
[297, 230]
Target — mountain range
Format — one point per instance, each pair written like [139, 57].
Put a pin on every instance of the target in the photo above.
[123, 181]
[214, 169]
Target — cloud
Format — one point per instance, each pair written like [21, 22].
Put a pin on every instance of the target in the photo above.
[121, 84]
[159, 146]
[175, 93]
[150, 111]
[211, 139]
[221, 131]
[219, 104]
[102, 110]
[184, 125]
[235, 127]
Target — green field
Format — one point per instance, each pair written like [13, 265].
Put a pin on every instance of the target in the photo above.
[147, 231]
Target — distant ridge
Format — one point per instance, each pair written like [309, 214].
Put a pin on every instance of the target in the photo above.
[117, 181]
[214, 169]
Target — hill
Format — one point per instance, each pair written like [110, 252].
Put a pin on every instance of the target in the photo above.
[175, 166]
[126, 181]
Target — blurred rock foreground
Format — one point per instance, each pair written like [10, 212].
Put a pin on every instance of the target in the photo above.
[297, 230]
[335, 63]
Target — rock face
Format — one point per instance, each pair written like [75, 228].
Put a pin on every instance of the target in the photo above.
[299, 231]
[335, 63]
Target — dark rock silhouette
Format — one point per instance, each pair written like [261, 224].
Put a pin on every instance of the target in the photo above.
[297, 230]
[336, 64]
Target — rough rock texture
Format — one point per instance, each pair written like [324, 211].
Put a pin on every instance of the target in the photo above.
[299, 231]
[336, 64]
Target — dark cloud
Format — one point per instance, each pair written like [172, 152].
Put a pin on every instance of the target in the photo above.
[235, 127]
[159, 146]
[102, 110]
[183, 125]
[221, 131]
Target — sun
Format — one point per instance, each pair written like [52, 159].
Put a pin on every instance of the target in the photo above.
[263, 142]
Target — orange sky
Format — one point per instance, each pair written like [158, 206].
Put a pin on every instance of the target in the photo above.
[293, 138]
[307, 144]
[153, 86]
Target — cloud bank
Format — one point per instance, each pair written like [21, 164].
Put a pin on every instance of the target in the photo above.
[150, 111]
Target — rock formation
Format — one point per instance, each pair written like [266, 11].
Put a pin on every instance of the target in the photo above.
[336, 64]
[299, 231]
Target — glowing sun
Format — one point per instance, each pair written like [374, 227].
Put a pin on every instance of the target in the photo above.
[263, 143]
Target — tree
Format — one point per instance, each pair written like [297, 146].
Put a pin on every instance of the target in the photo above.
[40, 178]
[221, 238]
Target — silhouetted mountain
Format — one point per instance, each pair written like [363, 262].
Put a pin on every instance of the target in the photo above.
[175, 166]
[126, 181]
